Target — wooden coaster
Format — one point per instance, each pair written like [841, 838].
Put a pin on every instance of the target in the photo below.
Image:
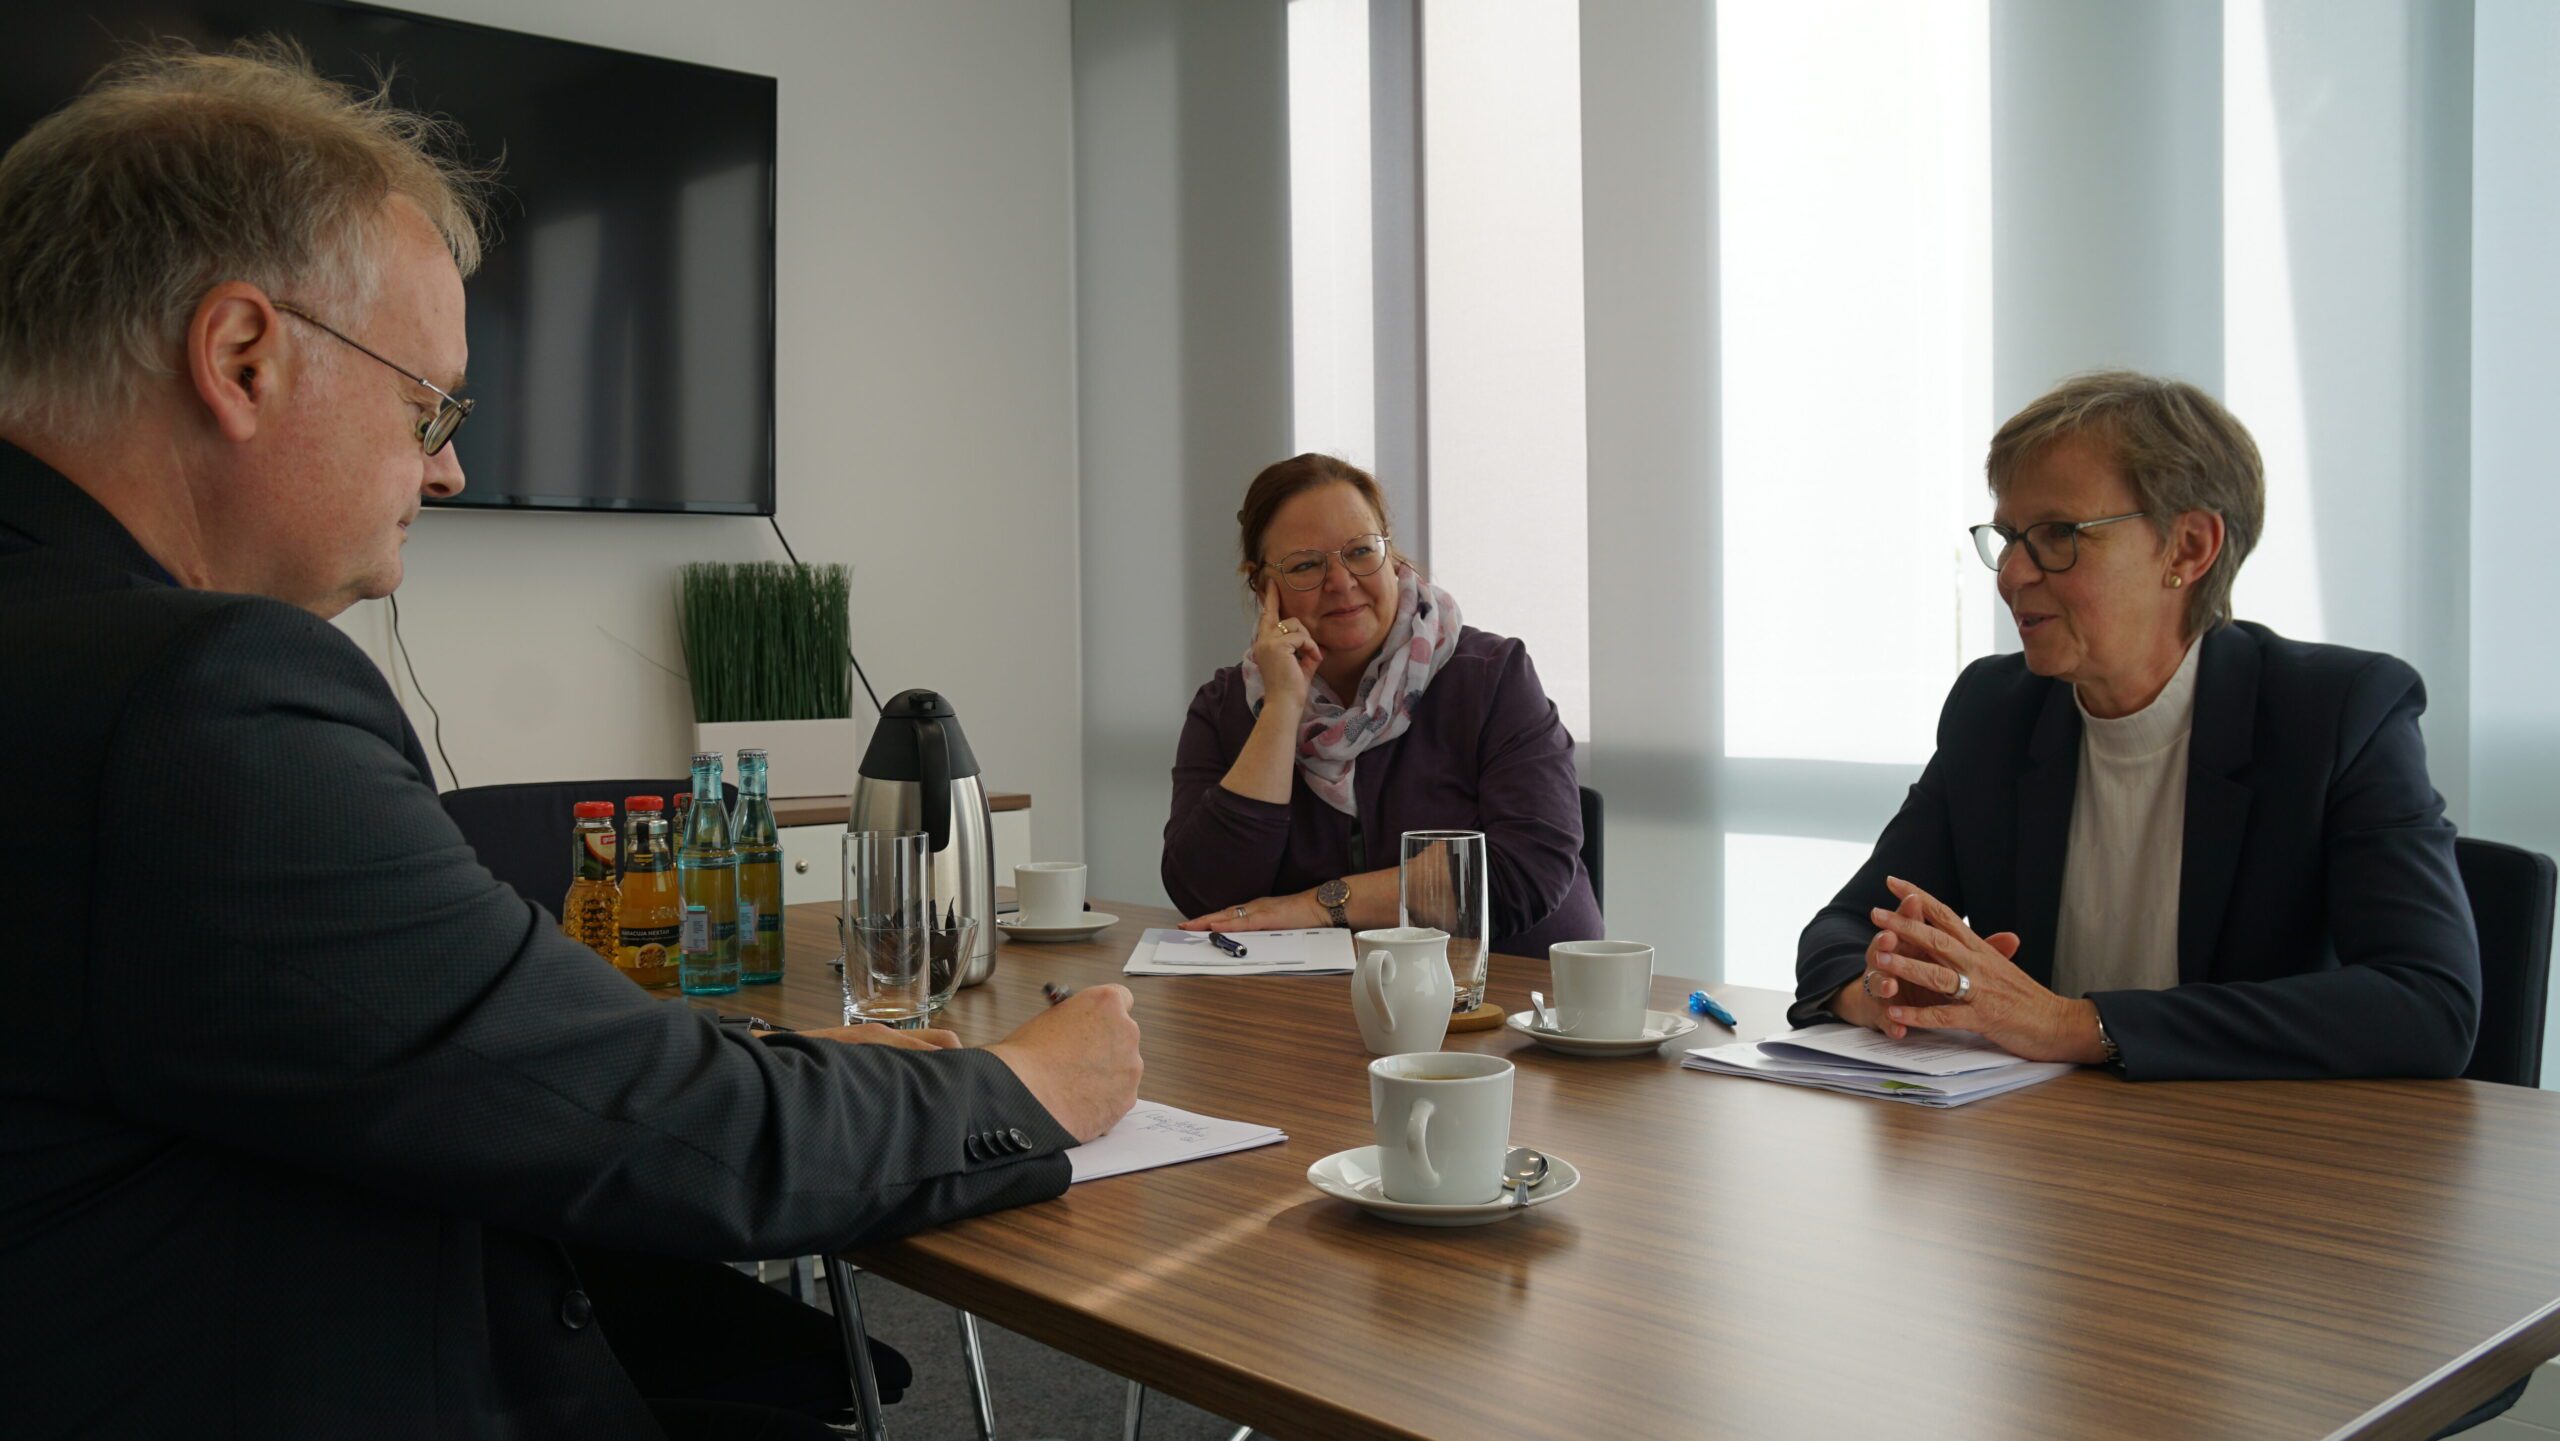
[1487, 1017]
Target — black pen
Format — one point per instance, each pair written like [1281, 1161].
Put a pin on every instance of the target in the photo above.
[1227, 944]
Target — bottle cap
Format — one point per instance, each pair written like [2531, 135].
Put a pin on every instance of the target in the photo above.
[644, 803]
[589, 810]
[751, 753]
[706, 758]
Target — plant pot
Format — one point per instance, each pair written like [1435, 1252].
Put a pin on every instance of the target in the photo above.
[802, 757]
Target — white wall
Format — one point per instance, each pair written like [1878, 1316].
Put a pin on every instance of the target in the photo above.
[1182, 256]
[926, 425]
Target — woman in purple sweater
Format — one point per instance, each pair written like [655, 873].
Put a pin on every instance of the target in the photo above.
[1363, 710]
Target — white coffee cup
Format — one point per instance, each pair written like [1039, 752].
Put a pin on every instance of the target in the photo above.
[1051, 893]
[1443, 1125]
[1601, 988]
[1401, 989]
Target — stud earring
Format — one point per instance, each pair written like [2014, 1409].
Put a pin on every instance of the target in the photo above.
[2176, 581]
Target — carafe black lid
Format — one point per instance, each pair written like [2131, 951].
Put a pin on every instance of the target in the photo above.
[896, 752]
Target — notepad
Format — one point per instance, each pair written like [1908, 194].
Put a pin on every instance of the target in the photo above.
[1153, 1135]
[1947, 1068]
[1165, 952]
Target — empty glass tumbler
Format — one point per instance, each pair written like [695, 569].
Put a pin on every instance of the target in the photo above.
[1444, 882]
[888, 930]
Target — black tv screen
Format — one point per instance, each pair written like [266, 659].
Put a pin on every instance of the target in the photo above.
[621, 325]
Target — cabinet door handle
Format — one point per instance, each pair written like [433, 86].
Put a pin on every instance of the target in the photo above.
[800, 868]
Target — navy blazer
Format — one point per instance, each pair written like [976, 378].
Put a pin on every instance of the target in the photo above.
[2322, 926]
[299, 1103]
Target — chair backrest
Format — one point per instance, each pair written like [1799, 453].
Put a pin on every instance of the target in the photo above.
[1591, 844]
[521, 831]
[2511, 899]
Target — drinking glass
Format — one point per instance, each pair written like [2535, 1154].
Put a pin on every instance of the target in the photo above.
[888, 929]
[1444, 883]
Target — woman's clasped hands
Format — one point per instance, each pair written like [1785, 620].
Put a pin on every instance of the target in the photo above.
[1927, 970]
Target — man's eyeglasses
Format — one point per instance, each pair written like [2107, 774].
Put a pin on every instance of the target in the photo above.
[435, 431]
[2054, 544]
[1304, 569]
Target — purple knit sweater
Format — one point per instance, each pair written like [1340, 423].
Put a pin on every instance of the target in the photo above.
[1485, 752]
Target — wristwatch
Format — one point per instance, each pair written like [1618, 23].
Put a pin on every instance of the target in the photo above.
[1331, 895]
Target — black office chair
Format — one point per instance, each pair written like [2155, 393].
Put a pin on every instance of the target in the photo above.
[1591, 844]
[2512, 891]
[521, 831]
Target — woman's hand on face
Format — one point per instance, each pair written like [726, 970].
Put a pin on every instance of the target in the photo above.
[1283, 651]
[1272, 913]
[1922, 945]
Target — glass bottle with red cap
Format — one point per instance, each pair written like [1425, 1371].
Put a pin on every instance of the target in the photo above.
[592, 913]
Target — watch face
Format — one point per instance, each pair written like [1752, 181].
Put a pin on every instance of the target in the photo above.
[1333, 892]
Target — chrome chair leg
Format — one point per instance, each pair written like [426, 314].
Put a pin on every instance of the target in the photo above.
[1136, 1413]
[804, 1280]
[974, 1361]
[857, 1348]
[1243, 1433]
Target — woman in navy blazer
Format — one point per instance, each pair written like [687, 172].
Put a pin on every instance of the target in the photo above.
[2158, 839]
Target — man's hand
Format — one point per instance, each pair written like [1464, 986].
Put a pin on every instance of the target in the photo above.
[1079, 1059]
[925, 1040]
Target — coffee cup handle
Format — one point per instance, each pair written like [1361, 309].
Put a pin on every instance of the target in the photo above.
[1417, 1142]
[1382, 974]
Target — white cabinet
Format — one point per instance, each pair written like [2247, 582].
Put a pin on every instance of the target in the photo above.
[813, 856]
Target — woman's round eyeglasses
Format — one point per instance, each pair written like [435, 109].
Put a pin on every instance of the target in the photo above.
[435, 430]
[1304, 569]
[2054, 544]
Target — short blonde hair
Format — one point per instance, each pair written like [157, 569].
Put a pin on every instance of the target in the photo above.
[176, 171]
[2178, 446]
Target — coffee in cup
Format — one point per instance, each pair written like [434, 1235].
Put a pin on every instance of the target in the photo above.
[1051, 893]
[1443, 1122]
[1601, 988]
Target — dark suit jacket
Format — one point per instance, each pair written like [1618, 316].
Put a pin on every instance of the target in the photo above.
[297, 1103]
[2322, 926]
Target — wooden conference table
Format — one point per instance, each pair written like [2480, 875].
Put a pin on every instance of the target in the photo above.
[2088, 1258]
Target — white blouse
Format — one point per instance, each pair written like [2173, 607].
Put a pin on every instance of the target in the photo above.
[2118, 929]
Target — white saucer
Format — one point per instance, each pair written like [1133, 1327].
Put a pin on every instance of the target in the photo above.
[1659, 1026]
[1084, 927]
[1353, 1176]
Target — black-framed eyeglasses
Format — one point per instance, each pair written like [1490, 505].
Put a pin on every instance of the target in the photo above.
[435, 431]
[2054, 544]
[1304, 569]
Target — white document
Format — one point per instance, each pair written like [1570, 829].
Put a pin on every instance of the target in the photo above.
[1948, 1070]
[1933, 1053]
[1165, 952]
[1153, 1135]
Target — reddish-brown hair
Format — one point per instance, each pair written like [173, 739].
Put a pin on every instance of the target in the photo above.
[1283, 481]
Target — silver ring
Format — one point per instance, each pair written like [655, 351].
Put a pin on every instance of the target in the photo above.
[1239, 912]
[1964, 987]
[1867, 983]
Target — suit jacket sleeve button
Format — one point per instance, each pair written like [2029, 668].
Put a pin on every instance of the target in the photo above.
[971, 1149]
[1019, 1141]
[576, 1310]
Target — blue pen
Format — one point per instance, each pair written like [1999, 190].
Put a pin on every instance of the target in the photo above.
[1227, 945]
[1706, 1005]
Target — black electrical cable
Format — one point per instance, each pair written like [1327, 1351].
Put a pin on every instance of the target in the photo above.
[848, 650]
[403, 647]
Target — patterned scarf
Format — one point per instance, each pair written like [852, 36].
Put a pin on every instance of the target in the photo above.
[1332, 735]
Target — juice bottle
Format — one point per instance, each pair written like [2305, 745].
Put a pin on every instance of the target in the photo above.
[594, 904]
[650, 911]
[759, 876]
[707, 881]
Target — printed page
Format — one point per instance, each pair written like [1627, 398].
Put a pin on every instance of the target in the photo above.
[1925, 1053]
[1153, 1135]
[1166, 952]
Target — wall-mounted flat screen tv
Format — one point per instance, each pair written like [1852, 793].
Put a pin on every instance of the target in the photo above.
[622, 325]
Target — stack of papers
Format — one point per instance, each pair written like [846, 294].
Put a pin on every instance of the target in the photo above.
[1162, 952]
[1946, 1069]
[1153, 1135]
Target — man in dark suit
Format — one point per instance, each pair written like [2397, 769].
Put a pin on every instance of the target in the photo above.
[300, 1107]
